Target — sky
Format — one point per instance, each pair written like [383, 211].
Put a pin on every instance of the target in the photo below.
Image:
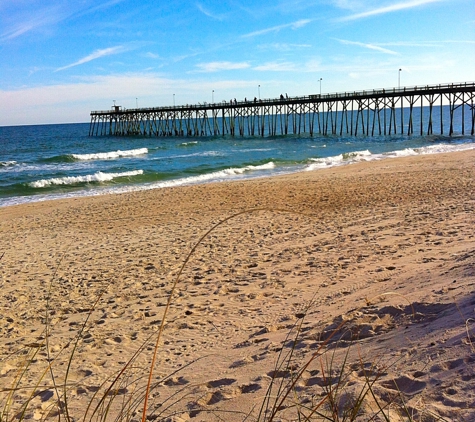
[61, 59]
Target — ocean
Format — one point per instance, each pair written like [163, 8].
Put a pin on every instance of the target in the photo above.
[46, 162]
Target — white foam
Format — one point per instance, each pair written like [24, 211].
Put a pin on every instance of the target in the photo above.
[189, 143]
[111, 155]
[72, 180]
[441, 148]
[406, 152]
[254, 150]
[338, 160]
[195, 154]
[240, 170]
[23, 167]
[430, 149]
[231, 173]
[203, 178]
[357, 156]
[7, 163]
[217, 175]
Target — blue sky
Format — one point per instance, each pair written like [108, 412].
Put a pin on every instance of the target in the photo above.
[61, 59]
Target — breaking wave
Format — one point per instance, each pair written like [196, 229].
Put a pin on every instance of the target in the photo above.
[90, 178]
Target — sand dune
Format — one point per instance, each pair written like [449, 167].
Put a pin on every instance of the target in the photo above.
[373, 262]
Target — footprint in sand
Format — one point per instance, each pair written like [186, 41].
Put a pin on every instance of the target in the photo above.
[176, 381]
[249, 388]
[322, 381]
[405, 384]
[223, 392]
[220, 383]
[213, 398]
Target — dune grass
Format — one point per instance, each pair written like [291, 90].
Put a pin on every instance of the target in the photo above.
[127, 394]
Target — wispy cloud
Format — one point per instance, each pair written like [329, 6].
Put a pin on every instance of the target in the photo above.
[217, 66]
[369, 46]
[348, 4]
[18, 30]
[95, 55]
[389, 9]
[206, 12]
[429, 44]
[283, 46]
[276, 67]
[293, 25]
[96, 7]
[25, 24]
[150, 55]
[309, 66]
[24, 21]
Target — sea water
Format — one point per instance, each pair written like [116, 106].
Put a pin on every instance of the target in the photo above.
[47, 162]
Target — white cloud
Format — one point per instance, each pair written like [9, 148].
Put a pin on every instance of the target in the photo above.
[23, 23]
[309, 66]
[45, 14]
[293, 25]
[388, 9]
[348, 4]
[459, 41]
[313, 66]
[218, 66]
[151, 55]
[95, 55]
[283, 46]
[369, 46]
[206, 12]
[425, 44]
[72, 102]
[20, 29]
[102, 6]
[354, 75]
[276, 67]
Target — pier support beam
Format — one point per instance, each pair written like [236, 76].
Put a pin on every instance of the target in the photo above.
[366, 113]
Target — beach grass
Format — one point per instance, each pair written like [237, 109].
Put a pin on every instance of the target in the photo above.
[360, 307]
[128, 395]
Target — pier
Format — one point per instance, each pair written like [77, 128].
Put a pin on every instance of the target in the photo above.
[420, 110]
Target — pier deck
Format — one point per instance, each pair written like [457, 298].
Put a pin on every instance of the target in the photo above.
[430, 109]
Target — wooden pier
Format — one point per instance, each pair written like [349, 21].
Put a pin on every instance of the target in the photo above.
[424, 110]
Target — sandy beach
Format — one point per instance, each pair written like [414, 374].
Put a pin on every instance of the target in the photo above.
[338, 279]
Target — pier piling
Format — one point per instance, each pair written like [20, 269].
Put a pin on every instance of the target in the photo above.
[354, 113]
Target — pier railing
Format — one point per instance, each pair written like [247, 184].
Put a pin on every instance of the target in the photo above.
[368, 112]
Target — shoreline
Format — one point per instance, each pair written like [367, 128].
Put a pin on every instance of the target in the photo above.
[176, 183]
[386, 246]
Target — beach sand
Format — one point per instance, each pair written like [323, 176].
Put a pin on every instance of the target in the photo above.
[374, 263]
